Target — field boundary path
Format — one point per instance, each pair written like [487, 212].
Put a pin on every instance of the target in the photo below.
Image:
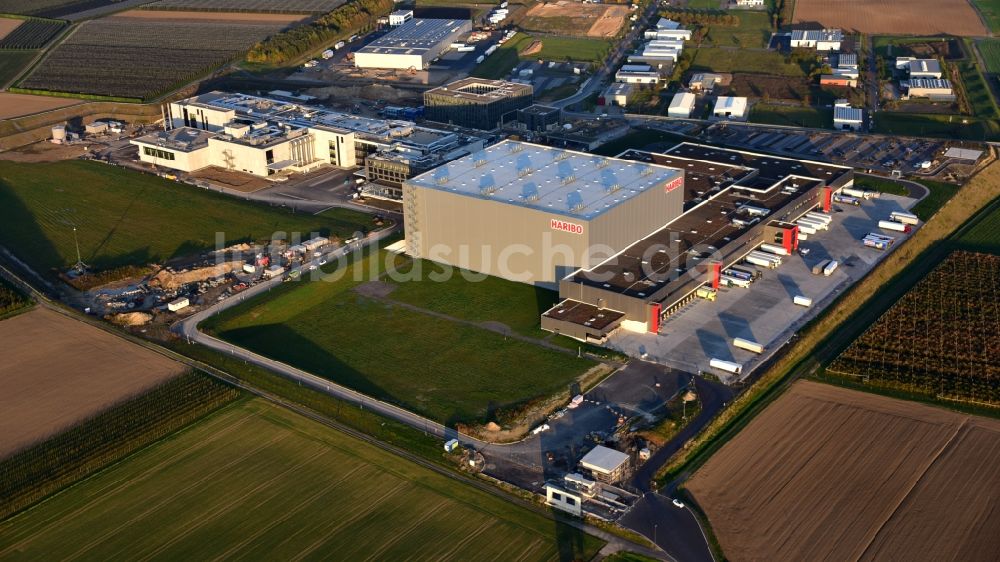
[615, 543]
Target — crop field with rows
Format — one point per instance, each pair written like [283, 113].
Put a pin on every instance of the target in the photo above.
[140, 59]
[32, 34]
[940, 339]
[254, 6]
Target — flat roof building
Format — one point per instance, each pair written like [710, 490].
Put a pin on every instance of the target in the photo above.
[618, 93]
[730, 108]
[704, 82]
[413, 44]
[265, 136]
[637, 74]
[533, 213]
[734, 202]
[682, 105]
[399, 17]
[847, 118]
[539, 118]
[931, 88]
[819, 39]
[606, 464]
[477, 103]
[924, 68]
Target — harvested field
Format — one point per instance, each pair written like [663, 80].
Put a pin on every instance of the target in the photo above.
[19, 105]
[234, 17]
[574, 18]
[836, 474]
[257, 481]
[57, 371]
[951, 17]
[7, 25]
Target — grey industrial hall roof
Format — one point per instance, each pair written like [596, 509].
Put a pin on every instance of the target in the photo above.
[553, 180]
[413, 37]
[603, 458]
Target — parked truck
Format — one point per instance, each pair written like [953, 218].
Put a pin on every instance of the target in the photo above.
[775, 259]
[738, 273]
[817, 216]
[774, 249]
[905, 218]
[860, 193]
[818, 268]
[818, 225]
[762, 262]
[876, 243]
[748, 345]
[847, 200]
[706, 293]
[735, 281]
[830, 268]
[894, 226]
[727, 366]
[805, 228]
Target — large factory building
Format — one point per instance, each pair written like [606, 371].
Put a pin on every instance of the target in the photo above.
[534, 214]
[413, 44]
[477, 103]
[734, 201]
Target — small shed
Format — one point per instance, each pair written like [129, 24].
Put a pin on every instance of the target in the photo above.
[181, 303]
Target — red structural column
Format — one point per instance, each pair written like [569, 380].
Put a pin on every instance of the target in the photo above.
[827, 199]
[654, 317]
[716, 273]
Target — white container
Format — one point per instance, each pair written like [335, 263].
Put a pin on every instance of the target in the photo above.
[178, 304]
[893, 225]
[727, 366]
[805, 228]
[905, 218]
[761, 262]
[735, 281]
[830, 268]
[818, 225]
[860, 193]
[802, 301]
[774, 249]
[249, 268]
[822, 217]
[748, 345]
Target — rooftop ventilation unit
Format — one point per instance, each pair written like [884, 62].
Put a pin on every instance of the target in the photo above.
[569, 179]
[515, 148]
[603, 163]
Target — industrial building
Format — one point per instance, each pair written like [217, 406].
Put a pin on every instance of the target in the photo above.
[919, 68]
[617, 93]
[704, 82]
[606, 464]
[266, 137]
[819, 39]
[539, 118]
[533, 213]
[847, 118]
[477, 103]
[637, 74]
[730, 108]
[399, 17]
[930, 88]
[413, 44]
[838, 80]
[734, 202]
[682, 105]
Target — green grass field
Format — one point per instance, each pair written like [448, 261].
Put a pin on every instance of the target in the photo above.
[797, 116]
[12, 63]
[516, 305]
[717, 59]
[932, 125]
[978, 93]
[127, 218]
[578, 49]
[940, 193]
[985, 235]
[753, 32]
[440, 368]
[991, 13]
[258, 481]
[882, 185]
[990, 50]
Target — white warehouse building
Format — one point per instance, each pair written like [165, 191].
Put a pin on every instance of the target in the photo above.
[413, 44]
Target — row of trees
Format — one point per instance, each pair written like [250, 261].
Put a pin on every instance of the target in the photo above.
[780, 12]
[692, 17]
[340, 23]
[10, 299]
[35, 472]
[940, 338]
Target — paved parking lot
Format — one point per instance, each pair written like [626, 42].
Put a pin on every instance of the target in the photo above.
[874, 152]
[764, 313]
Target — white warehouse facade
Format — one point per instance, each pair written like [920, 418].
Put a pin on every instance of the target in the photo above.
[413, 44]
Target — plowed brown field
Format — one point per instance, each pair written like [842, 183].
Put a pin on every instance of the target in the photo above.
[827, 473]
[915, 17]
[57, 371]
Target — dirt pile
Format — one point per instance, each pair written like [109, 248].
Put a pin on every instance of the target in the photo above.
[128, 319]
[170, 281]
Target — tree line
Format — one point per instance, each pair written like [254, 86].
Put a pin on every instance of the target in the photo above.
[340, 23]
